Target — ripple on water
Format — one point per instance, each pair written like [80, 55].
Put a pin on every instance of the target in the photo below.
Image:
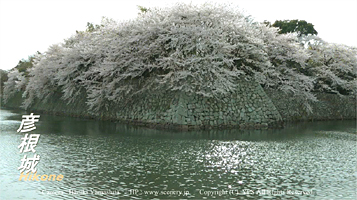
[323, 162]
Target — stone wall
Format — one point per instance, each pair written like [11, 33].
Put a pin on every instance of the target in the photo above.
[54, 105]
[328, 106]
[249, 107]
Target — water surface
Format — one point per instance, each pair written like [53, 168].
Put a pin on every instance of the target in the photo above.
[107, 160]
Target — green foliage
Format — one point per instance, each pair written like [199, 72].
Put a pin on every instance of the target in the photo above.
[290, 26]
[267, 23]
[143, 9]
[3, 79]
[24, 64]
[92, 27]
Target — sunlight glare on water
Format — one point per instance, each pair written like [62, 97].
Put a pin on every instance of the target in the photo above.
[318, 158]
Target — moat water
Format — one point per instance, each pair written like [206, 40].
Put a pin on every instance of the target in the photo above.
[107, 160]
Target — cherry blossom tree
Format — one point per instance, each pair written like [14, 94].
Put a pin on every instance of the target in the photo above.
[201, 50]
[42, 83]
[333, 65]
[288, 60]
[15, 83]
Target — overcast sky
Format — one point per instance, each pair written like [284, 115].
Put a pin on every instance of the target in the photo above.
[30, 26]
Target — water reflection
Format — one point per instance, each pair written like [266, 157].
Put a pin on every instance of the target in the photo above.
[101, 156]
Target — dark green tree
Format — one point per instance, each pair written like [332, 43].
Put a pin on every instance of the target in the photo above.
[290, 26]
[25, 64]
[90, 28]
[93, 27]
[143, 9]
[267, 23]
[3, 79]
